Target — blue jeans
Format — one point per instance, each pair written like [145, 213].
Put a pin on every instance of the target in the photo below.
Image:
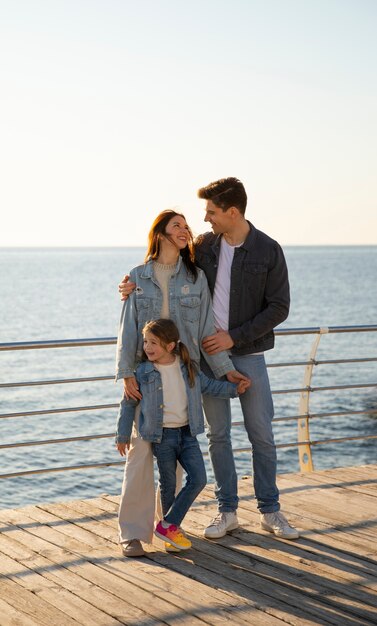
[257, 408]
[177, 444]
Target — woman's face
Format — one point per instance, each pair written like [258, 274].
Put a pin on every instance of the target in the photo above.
[178, 232]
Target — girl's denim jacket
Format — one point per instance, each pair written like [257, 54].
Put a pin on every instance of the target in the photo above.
[152, 402]
[190, 307]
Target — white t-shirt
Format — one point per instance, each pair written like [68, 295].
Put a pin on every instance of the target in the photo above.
[175, 395]
[221, 294]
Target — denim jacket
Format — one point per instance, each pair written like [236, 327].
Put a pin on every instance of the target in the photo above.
[259, 288]
[152, 402]
[190, 307]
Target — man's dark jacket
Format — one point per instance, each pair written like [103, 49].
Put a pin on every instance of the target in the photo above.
[259, 288]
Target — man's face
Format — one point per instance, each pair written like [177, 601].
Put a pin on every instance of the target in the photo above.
[219, 219]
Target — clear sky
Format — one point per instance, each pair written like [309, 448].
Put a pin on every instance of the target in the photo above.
[112, 110]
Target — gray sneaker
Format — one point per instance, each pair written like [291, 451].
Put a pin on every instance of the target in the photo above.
[276, 523]
[221, 524]
[132, 548]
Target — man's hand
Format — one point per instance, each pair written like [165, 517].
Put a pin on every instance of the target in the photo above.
[122, 447]
[126, 287]
[131, 388]
[236, 377]
[217, 343]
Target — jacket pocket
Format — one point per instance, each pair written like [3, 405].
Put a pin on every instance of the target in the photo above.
[255, 268]
[190, 308]
[144, 308]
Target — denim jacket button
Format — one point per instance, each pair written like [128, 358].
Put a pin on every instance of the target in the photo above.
[161, 406]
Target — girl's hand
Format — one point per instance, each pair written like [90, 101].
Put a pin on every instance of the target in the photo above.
[122, 447]
[131, 388]
[243, 385]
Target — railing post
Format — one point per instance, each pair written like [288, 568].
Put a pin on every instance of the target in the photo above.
[304, 451]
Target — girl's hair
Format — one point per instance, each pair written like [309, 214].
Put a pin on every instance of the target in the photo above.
[166, 331]
[154, 246]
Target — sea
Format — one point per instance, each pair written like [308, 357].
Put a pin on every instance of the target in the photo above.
[71, 293]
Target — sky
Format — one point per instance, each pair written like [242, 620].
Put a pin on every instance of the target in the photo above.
[113, 110]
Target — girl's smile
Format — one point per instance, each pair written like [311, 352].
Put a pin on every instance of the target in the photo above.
[156, 352]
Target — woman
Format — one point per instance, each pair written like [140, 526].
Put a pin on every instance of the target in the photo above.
[168, 285]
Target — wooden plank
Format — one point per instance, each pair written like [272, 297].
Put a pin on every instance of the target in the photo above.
[272, 595]
[300, 554]
[61, 561]
[348, 481]
[66, 557]
[146, 603]
[40, 576]
[11, 616]
[336, 508]
[39, 514]
[86, 508]
[290, 579]
[27, 602]
[307, 512]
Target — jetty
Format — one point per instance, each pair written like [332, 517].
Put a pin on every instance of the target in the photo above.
[61, 563]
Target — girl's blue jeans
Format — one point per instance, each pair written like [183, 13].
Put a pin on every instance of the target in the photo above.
[177, 444]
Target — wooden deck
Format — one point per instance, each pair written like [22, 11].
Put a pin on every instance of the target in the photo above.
[61, 565]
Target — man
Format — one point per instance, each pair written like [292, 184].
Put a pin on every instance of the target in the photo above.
[248, 279]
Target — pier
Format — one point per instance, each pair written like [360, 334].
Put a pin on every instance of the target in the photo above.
[61, 564]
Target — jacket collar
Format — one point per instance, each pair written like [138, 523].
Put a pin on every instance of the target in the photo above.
[148, 366]
[247, 244]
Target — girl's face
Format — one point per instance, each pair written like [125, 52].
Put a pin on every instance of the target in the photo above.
[178, 232]
[155, 351]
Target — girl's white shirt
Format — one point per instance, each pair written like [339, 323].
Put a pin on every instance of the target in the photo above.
[174, 394]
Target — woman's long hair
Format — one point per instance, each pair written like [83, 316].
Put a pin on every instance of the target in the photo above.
[166, 331]
[154, 244]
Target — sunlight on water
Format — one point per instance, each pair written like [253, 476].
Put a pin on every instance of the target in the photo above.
[72, 293]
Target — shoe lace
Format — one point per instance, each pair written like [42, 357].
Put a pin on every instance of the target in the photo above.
[217, 519]
[280, 519]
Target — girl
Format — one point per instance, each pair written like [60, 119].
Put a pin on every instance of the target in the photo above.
[170, 417]
[168, 285]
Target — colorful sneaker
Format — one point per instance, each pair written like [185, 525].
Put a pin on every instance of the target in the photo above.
[221, 524]
[170, 548]
[173, 535]
[276, 523]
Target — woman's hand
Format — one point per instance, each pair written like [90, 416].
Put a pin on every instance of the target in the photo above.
[122, 447]
[131, 388]
[125, 287]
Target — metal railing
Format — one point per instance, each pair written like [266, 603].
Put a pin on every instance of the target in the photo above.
[304, 442]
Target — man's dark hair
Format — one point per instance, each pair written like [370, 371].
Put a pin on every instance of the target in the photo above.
[225, 193]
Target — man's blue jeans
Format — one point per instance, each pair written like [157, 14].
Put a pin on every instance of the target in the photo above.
[177, 444]
[257, 408]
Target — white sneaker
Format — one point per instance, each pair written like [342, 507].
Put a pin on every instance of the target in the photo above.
[221, 524]
[276, 523]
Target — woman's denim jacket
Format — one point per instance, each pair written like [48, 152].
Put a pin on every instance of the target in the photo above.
[152, 402]
[190, 307]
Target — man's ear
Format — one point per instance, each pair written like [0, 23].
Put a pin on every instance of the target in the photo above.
[234, 212]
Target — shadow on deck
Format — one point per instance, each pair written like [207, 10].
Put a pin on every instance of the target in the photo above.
[60, 563]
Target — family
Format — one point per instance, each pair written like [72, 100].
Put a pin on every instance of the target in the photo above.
[196, 320]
